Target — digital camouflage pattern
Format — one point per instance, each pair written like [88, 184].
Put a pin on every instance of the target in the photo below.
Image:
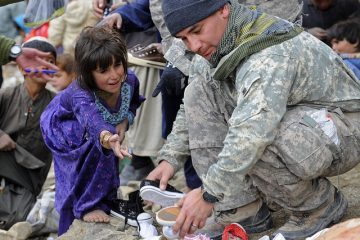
[228, 125]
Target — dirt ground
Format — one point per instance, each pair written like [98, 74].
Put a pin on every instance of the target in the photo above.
[348, 183]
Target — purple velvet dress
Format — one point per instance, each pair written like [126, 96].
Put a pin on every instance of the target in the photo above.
[86, 174]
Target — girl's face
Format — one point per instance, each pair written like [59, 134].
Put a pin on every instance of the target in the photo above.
[61, 80]
[110, 79]
[343, 46]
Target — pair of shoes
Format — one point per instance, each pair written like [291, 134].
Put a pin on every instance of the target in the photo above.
[146, 56]
[260, 221]
[150, 191]
[128, 210]
[305, 224]
[129, 173]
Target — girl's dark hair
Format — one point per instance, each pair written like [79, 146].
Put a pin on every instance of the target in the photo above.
[348, 30]
[98, 47]
[41, 46]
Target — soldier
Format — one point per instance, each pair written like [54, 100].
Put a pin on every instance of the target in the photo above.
[267, 105]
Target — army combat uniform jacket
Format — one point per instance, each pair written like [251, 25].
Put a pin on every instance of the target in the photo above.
[226, 123]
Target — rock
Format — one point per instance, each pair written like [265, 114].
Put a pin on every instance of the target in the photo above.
[19, 231]
[114, 230]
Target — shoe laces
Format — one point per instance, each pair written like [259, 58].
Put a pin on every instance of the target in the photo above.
[131, 208]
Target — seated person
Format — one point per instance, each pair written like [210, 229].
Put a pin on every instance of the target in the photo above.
[345, 38]
[25, 159]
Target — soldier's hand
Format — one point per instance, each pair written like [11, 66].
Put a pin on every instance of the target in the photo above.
[6, 143]
[172, 81]
[193, 214]
[33, 60]
[163, 172]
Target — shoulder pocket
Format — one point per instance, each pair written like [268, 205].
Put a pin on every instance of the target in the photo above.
[246, 82]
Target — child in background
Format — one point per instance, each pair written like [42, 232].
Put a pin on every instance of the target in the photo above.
[85, 125]
[64, 30]
[345, 40]
[24, 158]
[66, 73]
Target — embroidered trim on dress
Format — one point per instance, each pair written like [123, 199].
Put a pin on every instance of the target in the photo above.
[117, 117]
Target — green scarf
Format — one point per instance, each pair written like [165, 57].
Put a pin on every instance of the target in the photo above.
[248, 31]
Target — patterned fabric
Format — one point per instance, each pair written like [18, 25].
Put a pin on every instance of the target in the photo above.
[86, 174]
[249, 31]
[117, 117]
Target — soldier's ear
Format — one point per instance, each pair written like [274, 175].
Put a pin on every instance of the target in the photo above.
[225, 11]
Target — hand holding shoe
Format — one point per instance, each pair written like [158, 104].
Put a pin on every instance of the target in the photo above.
[193, 214]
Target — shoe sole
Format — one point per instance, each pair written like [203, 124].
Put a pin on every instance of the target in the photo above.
[163, 198]
[145, 63]
[167, 216]
[337, 212]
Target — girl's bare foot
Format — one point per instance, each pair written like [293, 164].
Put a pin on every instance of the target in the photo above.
[96, 216]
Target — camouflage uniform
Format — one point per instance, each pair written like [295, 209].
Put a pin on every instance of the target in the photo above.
[255, 126]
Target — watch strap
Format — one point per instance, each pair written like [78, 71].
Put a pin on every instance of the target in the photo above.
[13, 55]
[207, 197]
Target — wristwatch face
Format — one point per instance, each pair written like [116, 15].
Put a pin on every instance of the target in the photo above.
[15, 51]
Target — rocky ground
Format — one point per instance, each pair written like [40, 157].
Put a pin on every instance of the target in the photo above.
[348, 183]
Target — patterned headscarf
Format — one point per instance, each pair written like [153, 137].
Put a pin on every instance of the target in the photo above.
[248, 31]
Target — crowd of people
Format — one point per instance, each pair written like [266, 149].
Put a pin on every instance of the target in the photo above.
[257, 110]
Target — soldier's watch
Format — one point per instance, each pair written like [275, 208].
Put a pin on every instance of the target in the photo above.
[208, 197]
[15, 51]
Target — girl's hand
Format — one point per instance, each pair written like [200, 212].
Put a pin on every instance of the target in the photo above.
[119, 151]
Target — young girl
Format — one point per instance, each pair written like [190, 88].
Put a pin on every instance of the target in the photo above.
[345, 40]
[85, 122]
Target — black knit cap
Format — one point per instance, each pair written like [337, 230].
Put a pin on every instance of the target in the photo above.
[180, 14]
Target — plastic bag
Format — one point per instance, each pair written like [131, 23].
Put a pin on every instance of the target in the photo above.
[40, 11]
[326, 124]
